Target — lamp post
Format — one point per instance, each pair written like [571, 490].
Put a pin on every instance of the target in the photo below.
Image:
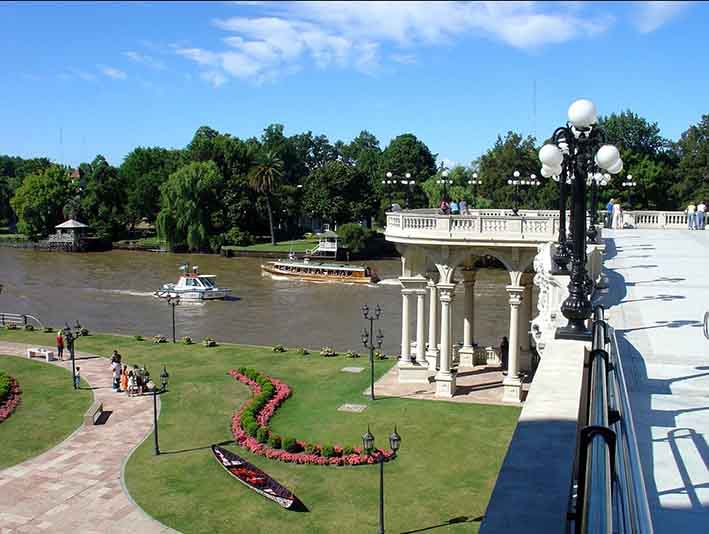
[406, 181]
[368, 339]
[71, 338]
[516, 183]
[173, 299]
[630, 183]
[580, 145]
[595, 180]
[164, 377]
[444, 181]
[368, 446]
[474, 183]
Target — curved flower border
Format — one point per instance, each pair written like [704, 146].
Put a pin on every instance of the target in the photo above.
[13, 399]
[282, 392]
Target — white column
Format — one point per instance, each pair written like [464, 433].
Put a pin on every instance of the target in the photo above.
[524, 359]
[512, 384]
[421, 326]
[432, 351]
[467, 352]
[445, 379]
[405, 338]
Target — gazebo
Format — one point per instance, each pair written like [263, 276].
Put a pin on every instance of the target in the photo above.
[70, 233]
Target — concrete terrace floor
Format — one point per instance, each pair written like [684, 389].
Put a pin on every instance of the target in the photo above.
[658, 293]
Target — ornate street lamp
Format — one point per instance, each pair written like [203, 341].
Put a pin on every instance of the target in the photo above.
[173, 299]
[595, 180]
[393, 179]
[630, 183]
[164, 377]
[517, 183]
[581, 146]
[368, 446]
[71, 337]
[474, 183]
[368, 339]
[444, 181]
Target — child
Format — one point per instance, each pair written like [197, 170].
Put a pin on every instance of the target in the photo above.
[132, 385]
[77, 378]
[124, 378]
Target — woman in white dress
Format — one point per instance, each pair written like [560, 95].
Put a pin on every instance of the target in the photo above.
[617, 216]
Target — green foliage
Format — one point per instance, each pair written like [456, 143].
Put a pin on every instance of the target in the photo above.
[29, 327]
[327, 451]
[264, 177]
[302, 351]
[237, 237]
[4, 386]
[290, 445]
[262, 434]
[187, 340]
[354, 237]
[209, 342]
[39, 201]
[337, 192]
[274, 441]
[101, 198]
[188, 200]
[279, 348]
[138, 338]
[327, 352]
[693, 169]
[352, 354]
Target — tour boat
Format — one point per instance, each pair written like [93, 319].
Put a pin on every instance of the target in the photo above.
[252, 477]
[194, 286]
[315, 271]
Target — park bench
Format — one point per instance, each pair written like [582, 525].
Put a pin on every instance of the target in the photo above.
[42, 353]
[93, 413]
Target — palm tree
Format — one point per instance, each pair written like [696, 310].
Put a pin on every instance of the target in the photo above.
[267, 171]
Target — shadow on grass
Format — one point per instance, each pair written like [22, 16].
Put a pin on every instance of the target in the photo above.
[193, 449]
[451, 521]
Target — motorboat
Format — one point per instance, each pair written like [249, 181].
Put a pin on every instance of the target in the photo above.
[193, 285]
[317, 271]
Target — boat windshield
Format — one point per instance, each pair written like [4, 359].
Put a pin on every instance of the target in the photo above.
[207, 282]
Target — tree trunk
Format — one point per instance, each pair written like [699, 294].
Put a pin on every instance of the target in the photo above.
[270, 219]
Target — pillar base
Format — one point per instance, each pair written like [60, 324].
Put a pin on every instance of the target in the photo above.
[411, 373]
[445, 385]
[432, 359]
[512, 389]
[467, 357]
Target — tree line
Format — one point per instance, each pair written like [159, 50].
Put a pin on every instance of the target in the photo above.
[221, 190]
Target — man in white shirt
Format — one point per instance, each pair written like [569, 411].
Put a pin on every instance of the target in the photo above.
[701, 215]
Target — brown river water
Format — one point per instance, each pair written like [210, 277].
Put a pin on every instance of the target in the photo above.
[112, 292]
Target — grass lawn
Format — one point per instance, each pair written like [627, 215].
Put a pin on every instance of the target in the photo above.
[152, 242]
[446, 469]
[50, 410]
[296, 245]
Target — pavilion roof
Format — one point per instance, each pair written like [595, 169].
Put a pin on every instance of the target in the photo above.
[71, 223]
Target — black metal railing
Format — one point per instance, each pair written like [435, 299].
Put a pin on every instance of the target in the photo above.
[611, 495]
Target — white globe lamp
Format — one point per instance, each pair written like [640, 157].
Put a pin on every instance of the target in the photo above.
[607, 156]
[550, 155]
[582, 113]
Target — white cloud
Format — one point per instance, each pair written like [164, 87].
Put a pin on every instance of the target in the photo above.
[112, 72]
[82, 75]
[145, 59]
[355, 34]
[652, 15]
[214, 77]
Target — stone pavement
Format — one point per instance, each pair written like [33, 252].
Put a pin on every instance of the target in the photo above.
[658, 293]
[76, 486]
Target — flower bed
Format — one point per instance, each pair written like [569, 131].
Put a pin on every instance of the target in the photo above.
[11, 398]
[250, 428]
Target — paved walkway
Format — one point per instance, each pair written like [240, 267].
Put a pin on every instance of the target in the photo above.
[659, 291]
[76, 486]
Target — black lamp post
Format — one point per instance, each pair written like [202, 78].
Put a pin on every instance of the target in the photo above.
[596, 180]
[580, 145]
[474, 183]
[368, 445]
[562, 255]
[164, 377]
[406, 181]
[516, 183]
[173, 299]
[630, 183]
[368, 339]
[71, 338]
[444, 181]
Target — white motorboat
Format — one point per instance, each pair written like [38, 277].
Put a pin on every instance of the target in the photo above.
[194, 286]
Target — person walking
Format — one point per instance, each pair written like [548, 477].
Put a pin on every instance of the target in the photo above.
[700, 216]
[60, 345]
[116, 369]
[691, 216]
[609, 213]
[617, 216]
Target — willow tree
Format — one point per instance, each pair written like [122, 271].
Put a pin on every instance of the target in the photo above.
[188, 199]
[263, 177]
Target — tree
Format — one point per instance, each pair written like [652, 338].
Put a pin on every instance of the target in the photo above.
[187, 203]
[338, 193]
[12, 170]
[103, 198]
[693, 167]
[40, 199]
[263, 179]
[143, 171]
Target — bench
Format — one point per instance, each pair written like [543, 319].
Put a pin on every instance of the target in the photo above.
[42, 353]
[93, 413]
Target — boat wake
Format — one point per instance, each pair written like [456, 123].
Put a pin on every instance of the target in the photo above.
[389, 282]
[129, 292]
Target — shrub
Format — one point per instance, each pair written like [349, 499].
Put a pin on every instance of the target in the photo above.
[327, 352]
[379, 355]
[48, 330]
[209, 342]
[353, 237]
[279, 348]
[138, 337]
[274, 441]
[351, 354]
[4, 385]
[302, 351]
[311, 448]
[159, 339]
[290, 445]
[187, 340]
[328, 451]
[262, 434]
[29, 328]
[238, 237]
[84, 331]
[347, 450]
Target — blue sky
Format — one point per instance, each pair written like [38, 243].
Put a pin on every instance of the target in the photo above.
[112, 76]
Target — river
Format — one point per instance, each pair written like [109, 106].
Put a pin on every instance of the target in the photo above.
[112, 292]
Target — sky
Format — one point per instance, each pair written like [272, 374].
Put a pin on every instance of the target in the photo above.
[79, 79]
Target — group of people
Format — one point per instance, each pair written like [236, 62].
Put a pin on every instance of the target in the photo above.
[454, 208]
[131, 381]
[614, 214]
[696, 215]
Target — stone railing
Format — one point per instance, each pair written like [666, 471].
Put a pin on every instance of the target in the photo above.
[656, 219]
[478, 226]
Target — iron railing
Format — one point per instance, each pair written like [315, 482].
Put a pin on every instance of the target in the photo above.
[611, 495]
